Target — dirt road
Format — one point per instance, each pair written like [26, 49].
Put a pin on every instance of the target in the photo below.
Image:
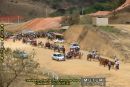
[81, 67]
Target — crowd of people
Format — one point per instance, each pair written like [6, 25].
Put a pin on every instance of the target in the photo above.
[73, 52]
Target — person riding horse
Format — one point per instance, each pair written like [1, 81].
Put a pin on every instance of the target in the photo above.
[93, 55]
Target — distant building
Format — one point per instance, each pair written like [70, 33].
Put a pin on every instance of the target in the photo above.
[100, 21]
[65, 27]
[100, 18]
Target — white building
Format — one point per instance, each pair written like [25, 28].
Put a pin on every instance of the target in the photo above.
[100, 21]
[100, 18]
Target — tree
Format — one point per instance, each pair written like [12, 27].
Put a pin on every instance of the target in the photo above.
[71, 19]
[11, 68]
[74, 19]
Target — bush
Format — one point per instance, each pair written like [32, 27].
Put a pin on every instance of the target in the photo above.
[86, 19]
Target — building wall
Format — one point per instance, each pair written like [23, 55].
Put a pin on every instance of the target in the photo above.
[100, 21]
[94, 20]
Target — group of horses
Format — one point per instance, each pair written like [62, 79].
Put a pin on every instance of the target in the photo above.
[102, 61]
[73, 53]
[55, 47]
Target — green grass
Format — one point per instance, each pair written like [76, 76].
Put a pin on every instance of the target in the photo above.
[110, 29]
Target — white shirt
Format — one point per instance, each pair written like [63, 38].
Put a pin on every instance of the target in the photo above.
[117, 62]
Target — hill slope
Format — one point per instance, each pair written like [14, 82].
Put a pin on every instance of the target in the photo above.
[41, 8]
[106, 41]
[26, 8]
[36, 24]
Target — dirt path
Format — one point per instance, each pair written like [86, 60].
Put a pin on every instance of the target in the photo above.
[81, 67]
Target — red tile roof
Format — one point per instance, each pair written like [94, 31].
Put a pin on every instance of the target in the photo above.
[100, 13]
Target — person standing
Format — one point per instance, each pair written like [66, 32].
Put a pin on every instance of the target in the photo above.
[117, 64]
[33, 53]
[63, 48]
[14, 39]
[109, 65]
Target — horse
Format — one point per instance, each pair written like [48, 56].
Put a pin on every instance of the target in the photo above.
[47, 45]
[34, 43]
[112, 63]
[89, 57]
[24, 40]
[79, 54]
[69, 55]
[103, 61]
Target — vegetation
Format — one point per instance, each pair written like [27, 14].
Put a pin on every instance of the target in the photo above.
[71, 19]
[12, 69]
[102, 5]
[56, 7]
[110, 29]
[86, 19]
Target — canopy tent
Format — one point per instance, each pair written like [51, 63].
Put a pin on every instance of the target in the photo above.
[28, 32]
[58, 35]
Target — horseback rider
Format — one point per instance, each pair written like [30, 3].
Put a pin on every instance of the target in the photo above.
[97, 56]
[115, 59]
[93, 53]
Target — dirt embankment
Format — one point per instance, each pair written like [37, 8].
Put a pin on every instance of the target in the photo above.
[90, 39]
[36, 24]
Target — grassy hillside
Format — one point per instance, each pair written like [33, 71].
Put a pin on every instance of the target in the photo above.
[42, 8]
[26, 8]
[86, 7]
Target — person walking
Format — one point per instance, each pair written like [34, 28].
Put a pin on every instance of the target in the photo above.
[33, 53]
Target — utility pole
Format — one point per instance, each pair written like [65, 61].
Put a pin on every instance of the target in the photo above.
[8, 20]
[82, 10]
[18, 19]
[46, 11]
